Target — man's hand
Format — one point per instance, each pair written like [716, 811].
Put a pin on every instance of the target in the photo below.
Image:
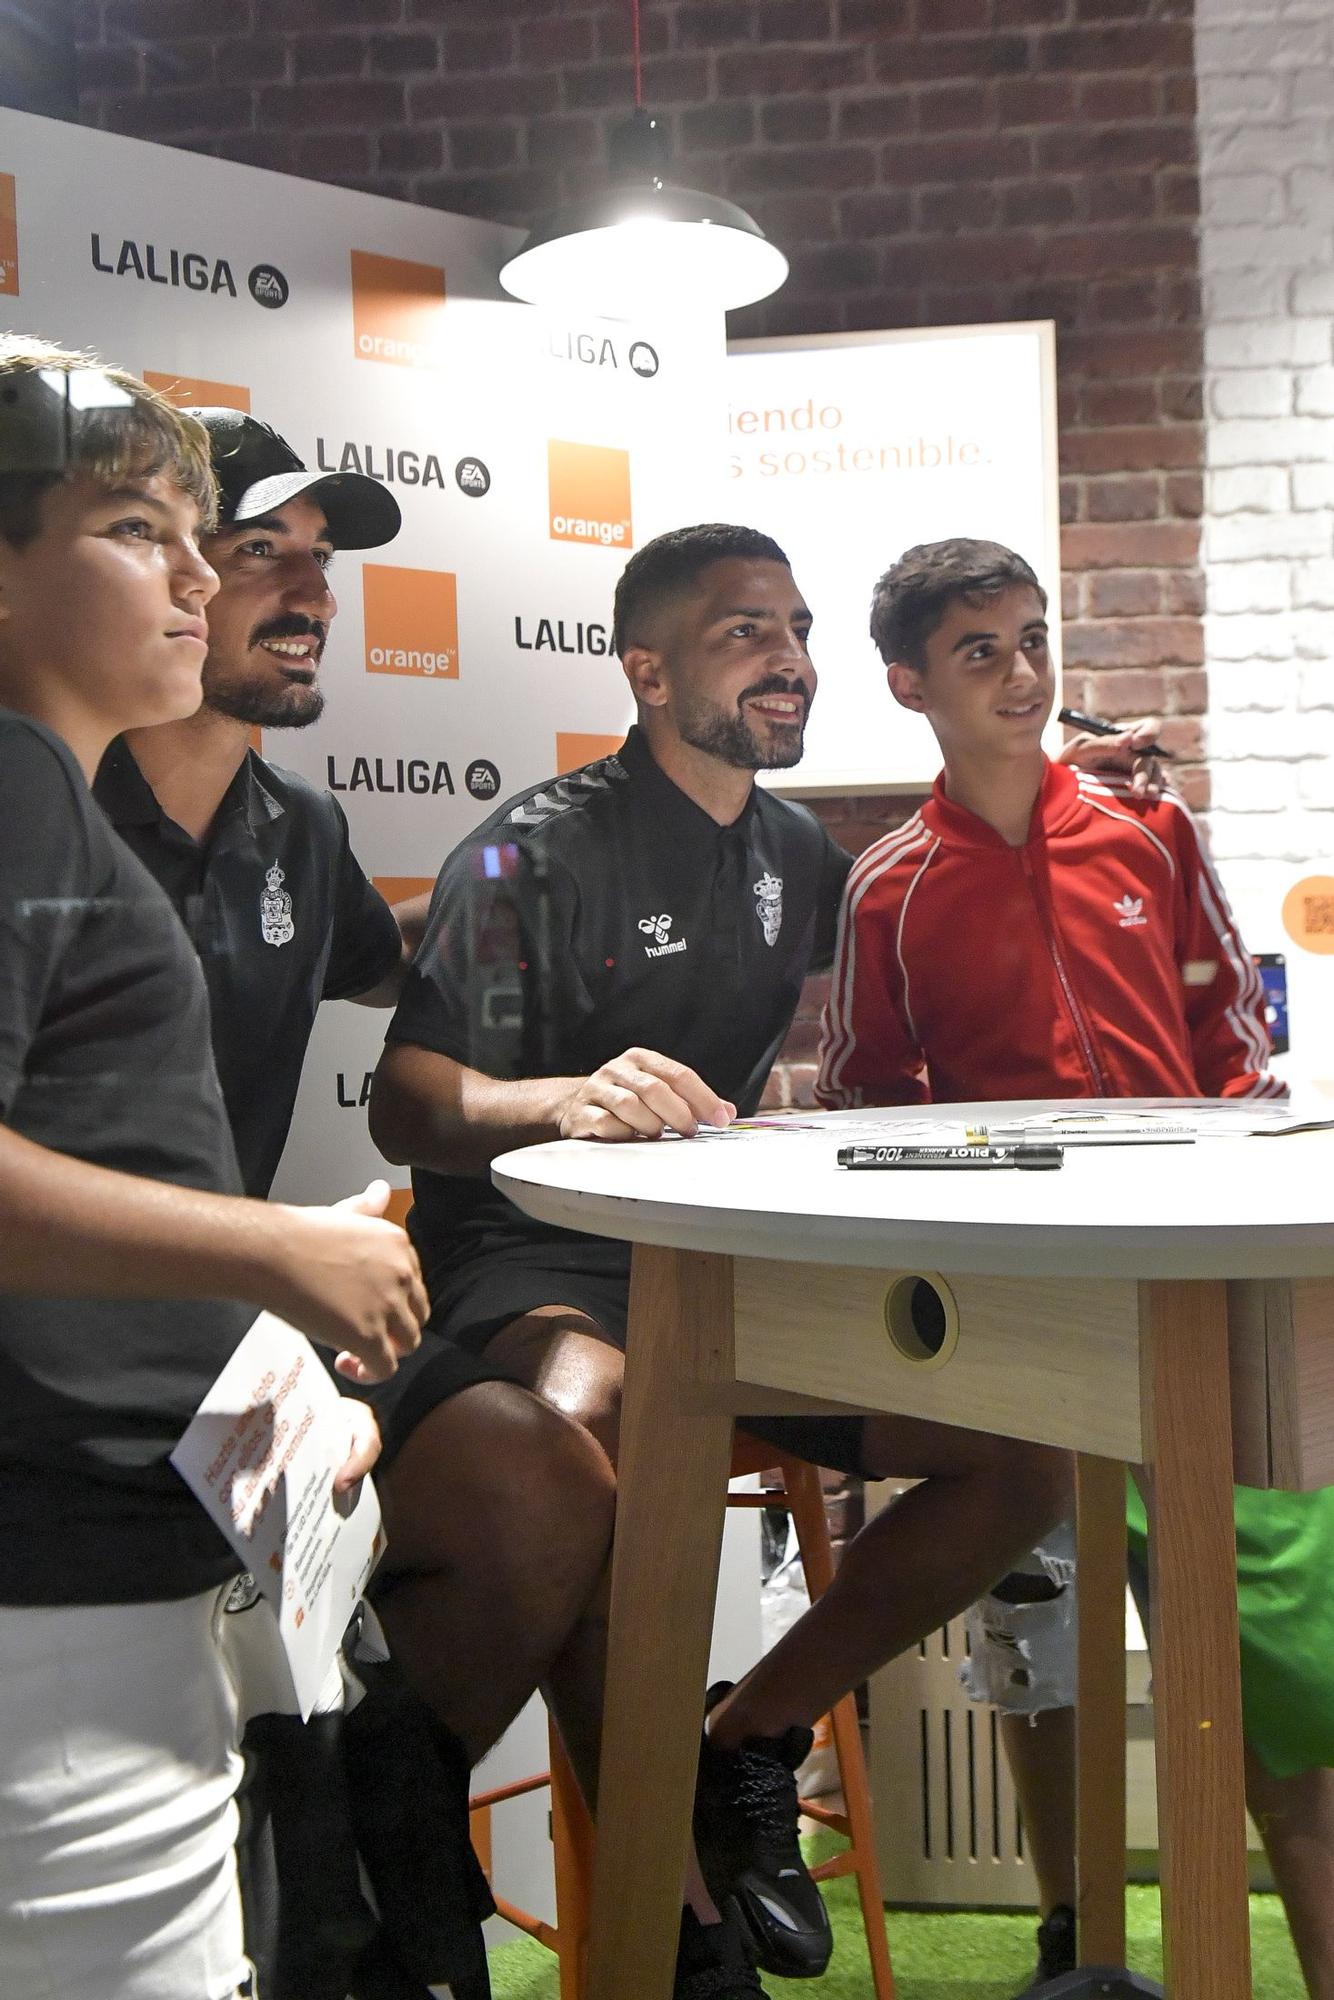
[351, 1281]
[638, 1096]
[364, 1445]
[1124, 755]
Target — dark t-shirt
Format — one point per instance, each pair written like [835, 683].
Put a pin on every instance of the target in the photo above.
[603, 911]
[282, 917]
[105, 1056]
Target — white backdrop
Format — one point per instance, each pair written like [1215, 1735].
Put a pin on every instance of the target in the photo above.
[529, 456]
[848, 448]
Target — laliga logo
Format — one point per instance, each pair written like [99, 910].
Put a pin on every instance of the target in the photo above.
[588, 489]
[412, 621]
[396, 310]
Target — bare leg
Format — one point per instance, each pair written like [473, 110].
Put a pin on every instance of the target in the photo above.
[498, 1514]
[1296, 1821]
[982, 1505]
[1040, 1750]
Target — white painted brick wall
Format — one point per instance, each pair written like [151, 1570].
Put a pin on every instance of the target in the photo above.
[1266, 117]
[1266, 121]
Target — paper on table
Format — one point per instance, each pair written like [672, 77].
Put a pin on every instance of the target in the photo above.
[260, 1456]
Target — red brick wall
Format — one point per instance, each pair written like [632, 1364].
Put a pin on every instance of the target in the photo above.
[921, 161]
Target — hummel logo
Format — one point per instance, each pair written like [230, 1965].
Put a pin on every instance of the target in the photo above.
[1130, 910]
[659, 927]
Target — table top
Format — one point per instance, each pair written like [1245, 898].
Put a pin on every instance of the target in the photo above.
[1221, 1207]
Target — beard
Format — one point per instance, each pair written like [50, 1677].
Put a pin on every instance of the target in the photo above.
[259, 698]
[264, 707]
[732, 740]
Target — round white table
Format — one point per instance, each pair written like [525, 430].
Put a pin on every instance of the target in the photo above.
[1128, 1306]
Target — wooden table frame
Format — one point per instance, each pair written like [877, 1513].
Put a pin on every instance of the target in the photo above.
[712, 1338]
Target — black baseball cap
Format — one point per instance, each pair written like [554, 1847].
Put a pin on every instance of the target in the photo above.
[258, 472]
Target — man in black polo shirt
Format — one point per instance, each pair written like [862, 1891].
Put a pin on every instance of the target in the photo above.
[122, 1241]
[485, 1581]
[646, 923]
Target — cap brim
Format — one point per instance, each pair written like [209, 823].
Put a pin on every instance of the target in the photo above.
[360, 512]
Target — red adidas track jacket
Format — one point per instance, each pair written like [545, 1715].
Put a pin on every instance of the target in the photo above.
[1098, 960]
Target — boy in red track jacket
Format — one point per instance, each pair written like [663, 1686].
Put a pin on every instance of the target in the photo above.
[1033, 931]
[1036, 931]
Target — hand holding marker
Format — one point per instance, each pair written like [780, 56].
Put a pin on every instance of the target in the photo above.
[1094, 725]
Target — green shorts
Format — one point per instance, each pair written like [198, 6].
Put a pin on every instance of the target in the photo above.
[1285, 1601]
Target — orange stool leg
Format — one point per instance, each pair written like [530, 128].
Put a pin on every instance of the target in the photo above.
[805, 1503]
[572, 1844]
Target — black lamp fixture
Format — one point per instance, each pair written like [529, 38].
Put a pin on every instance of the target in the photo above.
[642, 243]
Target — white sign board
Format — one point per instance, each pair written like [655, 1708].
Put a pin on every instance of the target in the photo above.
[849, 448]
[530, 456]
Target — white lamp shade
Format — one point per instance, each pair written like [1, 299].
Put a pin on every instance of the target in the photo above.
[632, 250]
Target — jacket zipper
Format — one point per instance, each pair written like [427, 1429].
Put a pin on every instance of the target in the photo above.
[1091, 1062]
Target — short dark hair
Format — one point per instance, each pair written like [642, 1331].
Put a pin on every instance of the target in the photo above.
[139, 438]
[669, 565]
[911, 598]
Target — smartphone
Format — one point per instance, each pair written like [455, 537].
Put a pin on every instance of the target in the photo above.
[1273, 969]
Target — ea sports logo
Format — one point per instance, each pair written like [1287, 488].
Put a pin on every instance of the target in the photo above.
[412, 622]
[643, 358]
[482, 778]
[472, 478]
[268, 286]
[588, 489]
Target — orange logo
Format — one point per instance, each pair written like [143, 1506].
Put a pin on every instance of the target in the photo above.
[574, 749]
[1308, 914]
[589, 490]
[399, 888]
[192, 392]
[396, 310]
[400, 1201]
[412, 621]
[9, 236]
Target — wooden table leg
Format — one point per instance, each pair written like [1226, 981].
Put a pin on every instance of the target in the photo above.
[675, 1453]
[1194, 1646]
[1100, 1715]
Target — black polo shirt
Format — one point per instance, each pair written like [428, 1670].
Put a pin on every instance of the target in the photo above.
[104, 1055]
[604, 911]
[282, 917]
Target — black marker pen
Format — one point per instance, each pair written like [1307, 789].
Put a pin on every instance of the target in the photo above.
[913, 1157]
[1094, 725]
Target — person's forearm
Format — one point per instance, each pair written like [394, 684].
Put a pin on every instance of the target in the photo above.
[426, 1111]
[80, 1231]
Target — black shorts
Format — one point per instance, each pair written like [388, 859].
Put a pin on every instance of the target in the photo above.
[433, 1373]
[484, 1296]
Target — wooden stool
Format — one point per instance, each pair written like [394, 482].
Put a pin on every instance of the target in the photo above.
[572, 1829]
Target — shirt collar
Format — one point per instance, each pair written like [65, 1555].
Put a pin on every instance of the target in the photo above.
[127, 798]
[1057, 801]
[688, 819]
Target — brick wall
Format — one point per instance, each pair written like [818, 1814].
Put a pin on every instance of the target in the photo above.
[921, 161]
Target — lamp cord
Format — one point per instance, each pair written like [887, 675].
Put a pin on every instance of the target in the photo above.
[639, 67]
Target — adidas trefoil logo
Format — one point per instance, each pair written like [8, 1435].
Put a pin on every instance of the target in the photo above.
[1130, 911]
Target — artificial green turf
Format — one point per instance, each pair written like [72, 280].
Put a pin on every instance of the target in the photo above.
[959, 1956]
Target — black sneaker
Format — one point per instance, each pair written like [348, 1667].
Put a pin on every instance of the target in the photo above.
[1056, 1948]
[712, 1962]
[746, 1835]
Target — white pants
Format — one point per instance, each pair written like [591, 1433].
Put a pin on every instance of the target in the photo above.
[118, 1765]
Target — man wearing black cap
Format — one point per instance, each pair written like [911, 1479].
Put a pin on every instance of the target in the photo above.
[486, 1578]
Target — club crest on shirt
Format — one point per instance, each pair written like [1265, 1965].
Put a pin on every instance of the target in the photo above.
[275, 909]
[769, 905]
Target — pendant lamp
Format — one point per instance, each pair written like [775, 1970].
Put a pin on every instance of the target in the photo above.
[643, 243]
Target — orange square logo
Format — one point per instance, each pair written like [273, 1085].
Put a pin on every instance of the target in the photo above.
[412, 622]
[575, 748]
[9, 236]
[588, 486]
[396, 310]
[192, 392]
